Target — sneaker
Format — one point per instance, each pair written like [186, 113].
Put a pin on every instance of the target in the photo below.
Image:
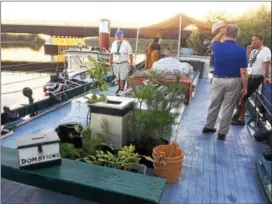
[221, 136]
[117, 91]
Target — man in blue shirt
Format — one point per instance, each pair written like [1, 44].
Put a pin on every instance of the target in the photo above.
[229, 80]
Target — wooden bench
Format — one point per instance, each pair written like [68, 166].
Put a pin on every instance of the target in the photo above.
[86, 181]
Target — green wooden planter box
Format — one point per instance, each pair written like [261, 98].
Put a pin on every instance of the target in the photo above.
[86, 181]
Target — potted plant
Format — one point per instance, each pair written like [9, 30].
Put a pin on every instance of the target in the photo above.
[129, 160]
[152, 116]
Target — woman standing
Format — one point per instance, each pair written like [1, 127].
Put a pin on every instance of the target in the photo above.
[153, 51]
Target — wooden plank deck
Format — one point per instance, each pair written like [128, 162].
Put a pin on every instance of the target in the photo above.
[86, 181]
[214, 171]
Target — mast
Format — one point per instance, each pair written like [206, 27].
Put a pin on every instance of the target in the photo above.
[180, 21]
[136, 48]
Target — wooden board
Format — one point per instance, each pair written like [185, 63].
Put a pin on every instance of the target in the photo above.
[86, 181]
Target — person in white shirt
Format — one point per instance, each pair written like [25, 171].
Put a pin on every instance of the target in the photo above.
[259, 70]
[121, 59]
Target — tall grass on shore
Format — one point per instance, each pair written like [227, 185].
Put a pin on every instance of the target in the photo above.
[33, 41]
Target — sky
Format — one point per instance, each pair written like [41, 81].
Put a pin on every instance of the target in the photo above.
[123, 14]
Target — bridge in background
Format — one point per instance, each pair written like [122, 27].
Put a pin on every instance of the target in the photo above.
[53, 30]
[74, 31]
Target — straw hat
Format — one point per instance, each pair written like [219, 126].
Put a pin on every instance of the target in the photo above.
[217, 25]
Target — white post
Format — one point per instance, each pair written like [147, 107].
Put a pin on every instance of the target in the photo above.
[179, 35]
[160, 41]
[136, 47]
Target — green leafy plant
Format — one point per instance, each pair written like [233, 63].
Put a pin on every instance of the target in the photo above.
[126, 159]
[68, 151]
[98, 72]
[90, 143]
[152, 116]
[255, 20]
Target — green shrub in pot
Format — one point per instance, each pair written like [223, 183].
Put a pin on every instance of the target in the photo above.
[152, 117]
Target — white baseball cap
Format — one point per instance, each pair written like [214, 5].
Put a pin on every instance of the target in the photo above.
[217, 25]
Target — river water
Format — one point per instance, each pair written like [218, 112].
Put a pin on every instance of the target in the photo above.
[12, 83]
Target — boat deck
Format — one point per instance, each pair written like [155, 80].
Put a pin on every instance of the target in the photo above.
[213, 172]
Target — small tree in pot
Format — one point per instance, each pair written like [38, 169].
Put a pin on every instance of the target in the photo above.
[152, 116]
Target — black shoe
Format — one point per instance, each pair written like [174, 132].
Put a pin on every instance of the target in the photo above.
[261, 136]
[221, 136]
[235, 117]
[268, 155]
[208, 130]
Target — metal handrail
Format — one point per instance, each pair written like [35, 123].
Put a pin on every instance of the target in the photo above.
[258, 115]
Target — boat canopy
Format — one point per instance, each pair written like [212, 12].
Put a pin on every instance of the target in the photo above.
[169, 28]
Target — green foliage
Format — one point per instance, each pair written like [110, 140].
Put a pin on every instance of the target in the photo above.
[98, 72]
[32, 41]
[213, 17]
[256, 21]
[253, 21]
[90, 142]
[103, 159]
[195, 39]
[32, 38]
[68, 151]
[126, 159]
[152, 117]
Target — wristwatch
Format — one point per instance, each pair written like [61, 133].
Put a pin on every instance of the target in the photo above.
[266, 76]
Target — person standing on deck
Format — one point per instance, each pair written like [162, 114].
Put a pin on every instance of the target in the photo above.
[259, 70]
[121, 59]
[230, 65]
[153, 51]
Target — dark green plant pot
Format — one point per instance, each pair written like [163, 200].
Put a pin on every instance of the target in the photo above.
[146, 149]
[106, 148]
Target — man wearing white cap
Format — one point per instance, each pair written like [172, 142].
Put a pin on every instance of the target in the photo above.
[217, 27]
[230, 79]
[121, 59]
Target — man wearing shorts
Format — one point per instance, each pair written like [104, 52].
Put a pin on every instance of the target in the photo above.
[121, 59]
[259, 70]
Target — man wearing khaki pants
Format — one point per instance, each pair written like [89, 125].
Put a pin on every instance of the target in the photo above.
[230, 79]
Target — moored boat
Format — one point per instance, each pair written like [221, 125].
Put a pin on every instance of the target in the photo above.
[213, 171]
